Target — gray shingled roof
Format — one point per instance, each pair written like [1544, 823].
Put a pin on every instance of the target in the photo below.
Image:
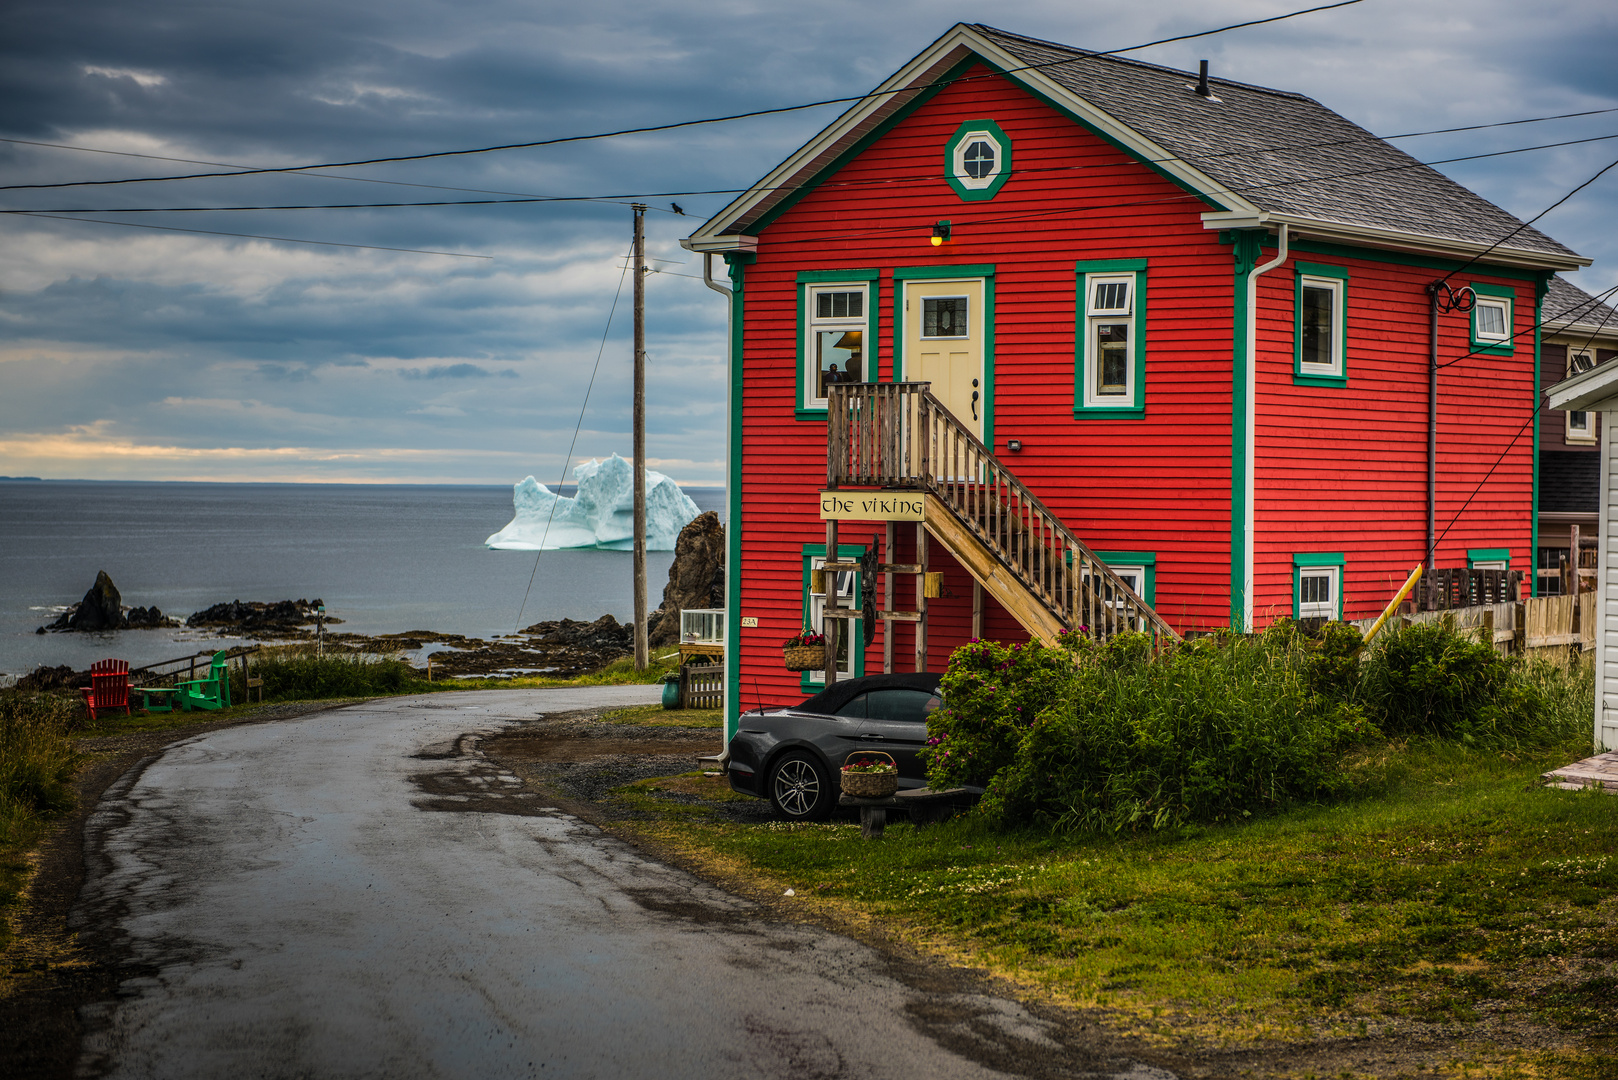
[1566, 299]
[1264, 144]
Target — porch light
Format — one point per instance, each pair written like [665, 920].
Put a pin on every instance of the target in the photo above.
[941, 232]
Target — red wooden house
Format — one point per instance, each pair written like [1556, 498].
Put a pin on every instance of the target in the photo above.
[1170, 325]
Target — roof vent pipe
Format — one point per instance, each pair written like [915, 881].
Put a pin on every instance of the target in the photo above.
[1202, 82]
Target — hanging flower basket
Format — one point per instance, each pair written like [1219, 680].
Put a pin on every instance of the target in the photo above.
[870, 774]
[806, 652]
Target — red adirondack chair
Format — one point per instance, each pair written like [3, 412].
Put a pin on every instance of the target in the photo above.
[109, 687]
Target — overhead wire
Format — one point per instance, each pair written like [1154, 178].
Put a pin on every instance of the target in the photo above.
[568, 460]
[676, 125]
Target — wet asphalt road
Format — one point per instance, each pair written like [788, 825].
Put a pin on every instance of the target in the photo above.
[360, 893]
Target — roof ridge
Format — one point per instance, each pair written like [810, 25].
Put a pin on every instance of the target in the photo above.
[1097, 55]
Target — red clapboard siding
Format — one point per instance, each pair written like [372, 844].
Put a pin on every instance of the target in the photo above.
[1344, 469]
[1121, 485]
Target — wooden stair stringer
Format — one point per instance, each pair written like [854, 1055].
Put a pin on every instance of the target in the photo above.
[998, 580]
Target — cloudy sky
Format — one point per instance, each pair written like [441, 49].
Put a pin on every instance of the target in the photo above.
[137, 353]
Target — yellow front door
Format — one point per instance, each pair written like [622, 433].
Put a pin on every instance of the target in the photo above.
[944, 336]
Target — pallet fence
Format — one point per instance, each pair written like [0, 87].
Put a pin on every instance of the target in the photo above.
[1542, 622]
[702, 686]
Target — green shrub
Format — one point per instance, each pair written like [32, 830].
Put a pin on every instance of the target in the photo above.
[1429, 679]
[301, 677]
[37, 758]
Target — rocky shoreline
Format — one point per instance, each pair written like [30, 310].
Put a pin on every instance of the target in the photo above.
[559, 648]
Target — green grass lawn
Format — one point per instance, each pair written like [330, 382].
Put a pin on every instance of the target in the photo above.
[1461, 891]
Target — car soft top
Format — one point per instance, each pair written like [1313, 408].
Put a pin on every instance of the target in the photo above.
[828, 701]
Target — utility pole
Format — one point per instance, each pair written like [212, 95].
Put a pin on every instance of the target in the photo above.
[642, 648]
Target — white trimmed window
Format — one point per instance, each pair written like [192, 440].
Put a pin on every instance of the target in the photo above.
[1581, 427]
[835, 321]
[1320, 325]
[847, 588]
[1109, 345]
[1491, 320]
[977, 160]
[1317, 591]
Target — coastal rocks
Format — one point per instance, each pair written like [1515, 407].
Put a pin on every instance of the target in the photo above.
[696, 577]
[284, 618]
[61, 677]
[605, 634]
[102, 609]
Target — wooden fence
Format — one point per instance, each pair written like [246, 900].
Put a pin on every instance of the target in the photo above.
[1542, 622]
[702, 686]
[169, 672]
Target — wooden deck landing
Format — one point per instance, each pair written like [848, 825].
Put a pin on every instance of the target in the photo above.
[1600, 771]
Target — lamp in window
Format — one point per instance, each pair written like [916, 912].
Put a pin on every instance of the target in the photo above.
[941, 232]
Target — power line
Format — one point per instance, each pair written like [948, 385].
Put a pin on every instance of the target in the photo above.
[1533, 219]
[247, 236]
[625, 199]
[653, 128]
[1575, 310]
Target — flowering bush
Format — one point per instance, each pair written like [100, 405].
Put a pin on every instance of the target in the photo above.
[805, 638]
[872, 765]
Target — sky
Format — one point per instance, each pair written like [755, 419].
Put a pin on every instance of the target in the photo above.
[142, 354]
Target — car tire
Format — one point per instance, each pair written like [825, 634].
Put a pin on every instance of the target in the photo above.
[801, 788]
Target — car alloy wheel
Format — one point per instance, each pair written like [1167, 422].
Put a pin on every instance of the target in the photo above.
[800, 789]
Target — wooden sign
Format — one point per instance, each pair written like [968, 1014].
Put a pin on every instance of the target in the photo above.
[872, 506]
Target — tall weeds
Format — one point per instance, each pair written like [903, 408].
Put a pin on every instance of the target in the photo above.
[37, 760]
[303, 676]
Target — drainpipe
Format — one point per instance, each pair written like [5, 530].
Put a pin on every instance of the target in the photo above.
[1248, 481]
[1432, 425]
[731, 692]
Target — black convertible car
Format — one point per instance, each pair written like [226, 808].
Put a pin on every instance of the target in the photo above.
[793, 756]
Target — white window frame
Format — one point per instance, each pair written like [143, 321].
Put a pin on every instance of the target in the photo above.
[1582, 431]
[1491, 564]
[847, 586]
[922, 333]
[814, 325]
[1316, 609]
[1503, 305]
[958, 160]
[1339, 297]
[1094, 319]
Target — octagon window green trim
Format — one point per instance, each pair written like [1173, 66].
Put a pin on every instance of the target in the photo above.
[977, 160]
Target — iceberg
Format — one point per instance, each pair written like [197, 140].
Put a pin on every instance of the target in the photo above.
[600, 515]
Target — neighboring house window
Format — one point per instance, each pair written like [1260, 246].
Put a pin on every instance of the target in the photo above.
[838, 330]
[1317, 586]
[1320, 325]
[1110, 368]
[1138, 569]
[1492, 319]
[850, 657]
[1581, 426]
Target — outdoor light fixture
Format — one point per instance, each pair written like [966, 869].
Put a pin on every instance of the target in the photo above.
[940, 232]
[1014, 445]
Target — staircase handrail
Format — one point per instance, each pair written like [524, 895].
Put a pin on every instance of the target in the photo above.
[891, 457]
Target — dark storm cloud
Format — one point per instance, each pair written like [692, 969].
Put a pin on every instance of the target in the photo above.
[218, 342]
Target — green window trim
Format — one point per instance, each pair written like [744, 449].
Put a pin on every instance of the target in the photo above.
[1146, 560]
[1300, 377]
[1082, 362]
[869, 277]
[1477, 555]
[1314, 560]
[1004, 164]
[1494, 348]
[812, 552]
[949, 273]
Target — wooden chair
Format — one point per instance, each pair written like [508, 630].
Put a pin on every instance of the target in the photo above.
[210, 693]
[109, 688]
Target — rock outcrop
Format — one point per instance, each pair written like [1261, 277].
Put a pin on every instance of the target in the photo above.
[102, 609]
[285, 617]
[696, 577]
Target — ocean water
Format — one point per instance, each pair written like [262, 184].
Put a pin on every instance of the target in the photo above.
[384, 558]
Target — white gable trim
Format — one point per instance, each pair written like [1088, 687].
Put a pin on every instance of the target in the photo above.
[904, 85]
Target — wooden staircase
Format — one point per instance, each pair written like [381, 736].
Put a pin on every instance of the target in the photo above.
[898, 436]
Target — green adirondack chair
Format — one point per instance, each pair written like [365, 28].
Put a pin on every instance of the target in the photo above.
[210, 693]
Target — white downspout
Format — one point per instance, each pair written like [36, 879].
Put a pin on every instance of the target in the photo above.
[1249, 494]
[730, 601]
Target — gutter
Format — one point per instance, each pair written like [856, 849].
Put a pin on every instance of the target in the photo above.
[722, 759]
[1249, 416]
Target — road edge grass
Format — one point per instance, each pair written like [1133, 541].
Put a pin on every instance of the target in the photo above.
[1512, 981]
